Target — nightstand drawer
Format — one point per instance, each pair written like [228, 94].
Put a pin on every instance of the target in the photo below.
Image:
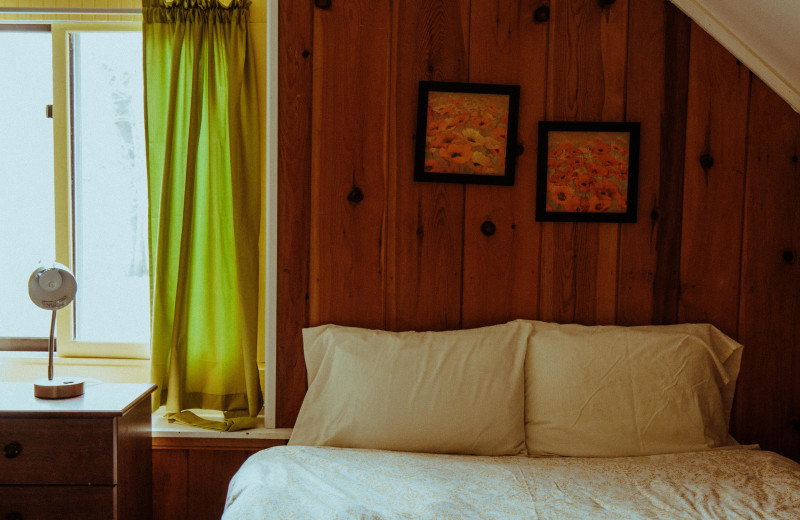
[60, 502]
[57, 451]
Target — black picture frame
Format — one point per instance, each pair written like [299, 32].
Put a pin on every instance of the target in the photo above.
[466, 133]
[587, 171]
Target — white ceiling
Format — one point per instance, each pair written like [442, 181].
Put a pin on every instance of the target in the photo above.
[762, 34]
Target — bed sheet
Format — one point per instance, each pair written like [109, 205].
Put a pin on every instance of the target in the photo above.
[299, 482]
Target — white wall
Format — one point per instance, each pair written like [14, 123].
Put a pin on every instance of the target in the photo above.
[762, 34]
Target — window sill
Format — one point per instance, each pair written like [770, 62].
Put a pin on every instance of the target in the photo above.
[168, 435]
[21, 366]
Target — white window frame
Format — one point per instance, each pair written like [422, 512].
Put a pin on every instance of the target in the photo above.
[62, 144]
[270, 222]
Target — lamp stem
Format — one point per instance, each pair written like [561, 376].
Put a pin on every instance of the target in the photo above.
[50, 347]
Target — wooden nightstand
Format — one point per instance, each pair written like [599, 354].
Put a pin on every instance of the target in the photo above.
[86, 457]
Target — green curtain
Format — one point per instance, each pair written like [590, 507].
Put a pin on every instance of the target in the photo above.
[204, 178]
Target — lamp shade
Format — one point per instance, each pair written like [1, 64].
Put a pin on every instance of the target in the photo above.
[52, 287]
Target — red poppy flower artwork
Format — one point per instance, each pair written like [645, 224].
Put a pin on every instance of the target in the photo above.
[465, 133]
[587, 171]
[475, 133]
[595, 169]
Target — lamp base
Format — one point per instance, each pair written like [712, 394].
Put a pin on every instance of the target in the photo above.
[57, 388]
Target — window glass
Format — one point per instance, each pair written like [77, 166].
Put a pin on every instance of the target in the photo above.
[109, 187]
[105, 222]
[27, 235]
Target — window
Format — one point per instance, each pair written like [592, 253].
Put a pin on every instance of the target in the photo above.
[75, 187]
[18, 183]
[27, 235]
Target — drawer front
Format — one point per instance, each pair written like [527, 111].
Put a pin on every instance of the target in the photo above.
[58, 502]
[57, 451]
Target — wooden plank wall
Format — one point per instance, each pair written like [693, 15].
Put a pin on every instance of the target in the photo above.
[361, 244]
[191, 484]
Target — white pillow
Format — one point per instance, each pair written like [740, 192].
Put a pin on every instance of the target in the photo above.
[440, 392]
[608, 391]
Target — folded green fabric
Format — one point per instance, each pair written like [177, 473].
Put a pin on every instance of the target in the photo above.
[230, 424]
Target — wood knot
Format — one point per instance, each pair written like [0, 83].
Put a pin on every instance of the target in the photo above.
[541, 14]
[322, 4]
[788, 256]
[706, 162]
[356, 195]
[654, 215]
[605, 3]
[488, 228]
[306, 53]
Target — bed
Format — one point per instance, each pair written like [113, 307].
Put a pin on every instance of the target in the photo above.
[526, 419]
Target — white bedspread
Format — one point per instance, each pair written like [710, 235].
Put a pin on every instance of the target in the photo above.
[298, 482]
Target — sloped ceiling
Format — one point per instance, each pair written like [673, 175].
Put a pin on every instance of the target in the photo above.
[762, 34]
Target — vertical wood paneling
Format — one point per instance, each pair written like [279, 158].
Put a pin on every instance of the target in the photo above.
[208, 474]
[425, 220]
[501, 271]
[170, 484]
[398, 259]
[191, 476]
[668, 211]
[294, 204]
[769, 384]
[716, 128]
[586, 72]
[350, 126]
[645, 103]
[613, 46]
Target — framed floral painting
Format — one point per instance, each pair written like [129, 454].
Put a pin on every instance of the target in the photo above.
[587, 171]
[466, 132]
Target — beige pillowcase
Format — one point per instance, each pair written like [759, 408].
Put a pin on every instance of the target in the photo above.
[438, 392]
[608, 391]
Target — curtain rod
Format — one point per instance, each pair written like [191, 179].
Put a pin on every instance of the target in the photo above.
[67, 10]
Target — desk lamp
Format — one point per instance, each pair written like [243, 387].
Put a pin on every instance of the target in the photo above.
[53, 288]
